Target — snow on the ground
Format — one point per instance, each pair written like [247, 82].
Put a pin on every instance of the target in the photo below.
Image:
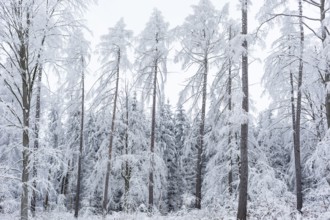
[311, 211]
[192, 215]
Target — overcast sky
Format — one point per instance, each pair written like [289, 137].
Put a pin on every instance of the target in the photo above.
[136, 13]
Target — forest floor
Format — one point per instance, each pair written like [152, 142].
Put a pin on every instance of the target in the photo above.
[191, 215]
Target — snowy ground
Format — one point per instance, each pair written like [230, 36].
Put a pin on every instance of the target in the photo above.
[198, 215]
[192, 215]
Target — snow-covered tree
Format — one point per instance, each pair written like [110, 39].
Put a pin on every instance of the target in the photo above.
[224, 120]
[200, 41]
[113, 53]
[152, 51]
[292, 46]
[31, 30]
[243, 183]
[181, 131]
[78, 53]
[168, 150]
[130, 155]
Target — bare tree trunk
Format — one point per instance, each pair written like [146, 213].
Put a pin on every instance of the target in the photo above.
[26, 159]
[152, 141]
[36, 144]
[23, 35]
[81, 144]
[26, 95]
[229, 85]
[107, 177]
[243, 187]
[298, 114]
[200, 146]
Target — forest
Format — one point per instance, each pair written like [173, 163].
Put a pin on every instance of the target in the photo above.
[108, 144]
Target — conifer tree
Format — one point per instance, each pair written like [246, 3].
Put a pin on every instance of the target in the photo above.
[152, 51]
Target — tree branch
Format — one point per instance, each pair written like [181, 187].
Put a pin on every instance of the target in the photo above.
[312, 2]
[298, 16]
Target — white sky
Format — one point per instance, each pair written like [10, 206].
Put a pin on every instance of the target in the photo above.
[136, 13]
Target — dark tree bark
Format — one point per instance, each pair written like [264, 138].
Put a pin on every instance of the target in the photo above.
[229, 85]
[243, 187]
[107, 177]
[36, 144]
[298, 114]
[26, 154]
[23, 34]
[26, 96]
[81, 140]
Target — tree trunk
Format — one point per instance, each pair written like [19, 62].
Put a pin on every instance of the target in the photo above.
[152, 141]
[36, 144]
[26, 95]
[107, 177]
[243, 187]
[298, 114]
[81, 144]
[229, 85]
[26, 159]
[26, 154]
[200, 146]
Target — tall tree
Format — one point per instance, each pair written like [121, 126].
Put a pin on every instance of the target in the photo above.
[294, 68]
[199, 38]
[297, 142]
[78, 54]
[152, 51]
[113, 54]
[224, 126]
[243, 187]
[28, 26]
